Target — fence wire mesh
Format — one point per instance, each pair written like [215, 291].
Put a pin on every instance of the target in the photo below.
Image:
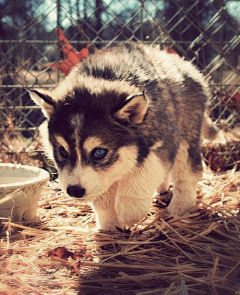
[41, 40]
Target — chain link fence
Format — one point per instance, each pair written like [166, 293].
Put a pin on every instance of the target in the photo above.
[41, 40]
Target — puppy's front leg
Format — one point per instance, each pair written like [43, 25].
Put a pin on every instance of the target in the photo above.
[135, 192]
[103, 207]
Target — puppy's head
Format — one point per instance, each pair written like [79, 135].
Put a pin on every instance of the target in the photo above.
[93, 133]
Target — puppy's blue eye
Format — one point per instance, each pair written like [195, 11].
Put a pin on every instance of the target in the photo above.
[99, 153]
[63, 152]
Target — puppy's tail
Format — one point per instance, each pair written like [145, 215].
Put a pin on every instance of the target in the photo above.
[211, 132]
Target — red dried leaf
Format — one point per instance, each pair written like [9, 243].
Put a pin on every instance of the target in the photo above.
[236, 95]
[88, 256]
[215, 162]
[72, 55]
[60, 253]
[171, 51]
[233, 102]
[83, 53]
[77, 255]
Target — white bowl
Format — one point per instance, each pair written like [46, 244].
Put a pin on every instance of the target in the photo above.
[20, 190]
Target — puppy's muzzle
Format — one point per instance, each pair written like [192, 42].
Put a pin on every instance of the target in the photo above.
[76, 191]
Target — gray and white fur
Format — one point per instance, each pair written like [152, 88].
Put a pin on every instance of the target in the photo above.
[119, 124]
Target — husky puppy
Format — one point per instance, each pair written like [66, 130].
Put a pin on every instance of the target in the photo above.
[121, 122]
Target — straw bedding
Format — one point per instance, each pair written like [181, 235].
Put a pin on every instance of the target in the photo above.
[61, 252]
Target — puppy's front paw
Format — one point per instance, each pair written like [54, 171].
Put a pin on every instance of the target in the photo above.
[179, 209]
[108, 226]
[131, 214]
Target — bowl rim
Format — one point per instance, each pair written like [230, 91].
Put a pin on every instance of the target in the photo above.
[40, 175]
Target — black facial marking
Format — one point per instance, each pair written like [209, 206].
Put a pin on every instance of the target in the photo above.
[106, 162]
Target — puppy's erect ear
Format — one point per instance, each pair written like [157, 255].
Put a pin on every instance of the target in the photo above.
[134, 109]
[43, 100]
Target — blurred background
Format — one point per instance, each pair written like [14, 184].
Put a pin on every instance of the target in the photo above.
[41, 40]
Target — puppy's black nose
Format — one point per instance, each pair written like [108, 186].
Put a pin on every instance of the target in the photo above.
[76, 191]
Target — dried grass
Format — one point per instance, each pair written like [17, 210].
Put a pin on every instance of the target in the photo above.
[61, 253]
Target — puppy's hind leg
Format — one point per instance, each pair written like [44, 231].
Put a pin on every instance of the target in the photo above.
[185, 174]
